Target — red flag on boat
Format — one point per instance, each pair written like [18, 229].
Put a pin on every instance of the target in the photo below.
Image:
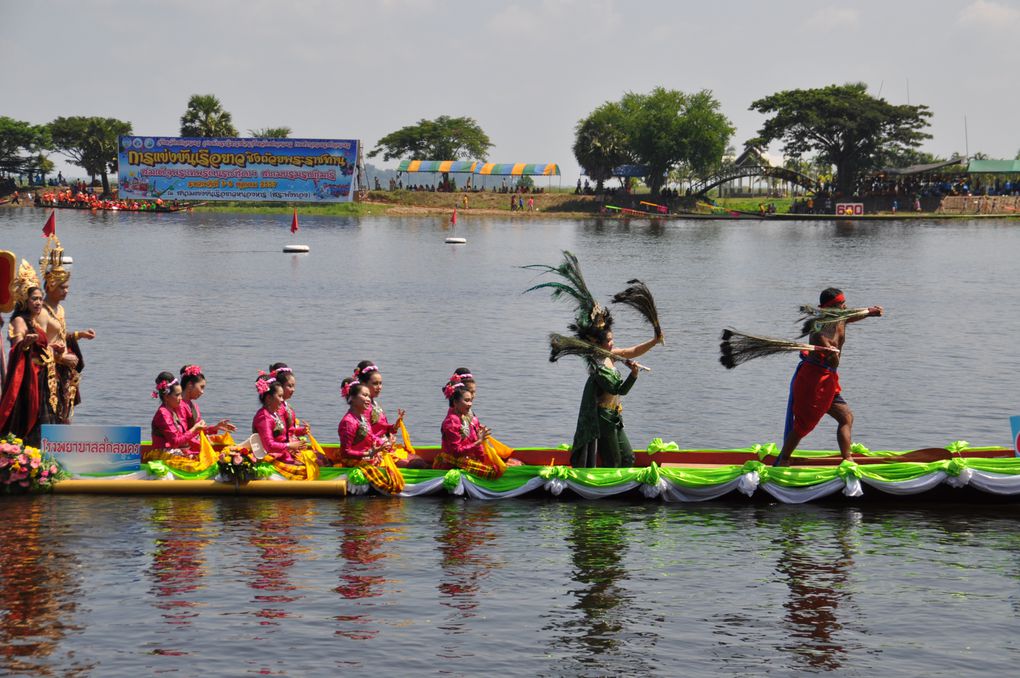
[453, 217]
[293, 223]
[51, 225]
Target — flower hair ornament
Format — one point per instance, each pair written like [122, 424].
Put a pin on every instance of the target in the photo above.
[458, 378]
[451, 388]
[164, 387]
[263, 382]
[358, 373]
[278, 371]
[345, 388]
[192, 371]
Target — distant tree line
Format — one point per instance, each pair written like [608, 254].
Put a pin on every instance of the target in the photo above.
[667, 132]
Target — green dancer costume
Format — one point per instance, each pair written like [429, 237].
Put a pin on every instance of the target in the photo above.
[599, 435]
[599, 438]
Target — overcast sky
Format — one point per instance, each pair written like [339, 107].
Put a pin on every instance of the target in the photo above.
[526, 71]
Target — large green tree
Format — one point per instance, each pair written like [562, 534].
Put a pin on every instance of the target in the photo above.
[205, 117]
[18, 141]
[844, 124]
[665, 130]
[600, 142]
[444, 138]
[90, 143]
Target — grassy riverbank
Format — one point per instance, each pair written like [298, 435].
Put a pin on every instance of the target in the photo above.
[343, 209]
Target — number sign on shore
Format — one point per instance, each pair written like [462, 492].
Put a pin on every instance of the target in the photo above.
[280, 170]
[849, 209]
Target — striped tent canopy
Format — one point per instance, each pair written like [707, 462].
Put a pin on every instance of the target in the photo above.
[439, 166]
[520, 169]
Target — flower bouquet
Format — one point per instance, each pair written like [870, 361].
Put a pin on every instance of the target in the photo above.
[239, 465]
[24, 468]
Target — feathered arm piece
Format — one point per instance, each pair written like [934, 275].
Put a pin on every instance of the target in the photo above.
[639, 297]
[738, 347]
[589, 312]
[560, 345]
[814, 317]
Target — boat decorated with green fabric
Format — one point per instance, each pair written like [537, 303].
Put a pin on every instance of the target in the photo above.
[662, 472]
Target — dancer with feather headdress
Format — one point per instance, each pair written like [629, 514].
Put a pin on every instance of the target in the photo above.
[599, 438]
[815, 390]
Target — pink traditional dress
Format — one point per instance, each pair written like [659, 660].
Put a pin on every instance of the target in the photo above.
[463, 448]
[404, 455]
[356, 450]
[172, 443]
[191, 415]
[297, 429]
[272, 432]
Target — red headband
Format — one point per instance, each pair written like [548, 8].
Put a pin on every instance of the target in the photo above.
[835, 301]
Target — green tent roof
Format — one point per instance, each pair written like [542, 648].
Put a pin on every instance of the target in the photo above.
[994, 167]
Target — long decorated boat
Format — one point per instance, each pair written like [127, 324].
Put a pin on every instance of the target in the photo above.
[956, 472]
[147, 208]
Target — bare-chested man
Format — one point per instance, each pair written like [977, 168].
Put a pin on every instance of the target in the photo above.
[815, 389]
[57, 281]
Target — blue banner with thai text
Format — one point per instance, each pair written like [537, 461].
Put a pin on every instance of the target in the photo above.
[189, 169]
[1015, 422]
[93, 450]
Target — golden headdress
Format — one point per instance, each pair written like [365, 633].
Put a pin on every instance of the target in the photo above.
[54, 272]
[25, 280]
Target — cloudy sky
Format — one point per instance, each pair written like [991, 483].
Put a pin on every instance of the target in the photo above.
[526, 71]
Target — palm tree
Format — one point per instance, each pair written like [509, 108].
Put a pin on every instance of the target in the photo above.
[270, 132]
[205, 117]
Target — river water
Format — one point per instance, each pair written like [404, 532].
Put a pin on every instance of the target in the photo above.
[123, 586]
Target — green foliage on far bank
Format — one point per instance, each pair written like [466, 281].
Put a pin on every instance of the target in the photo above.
[352, 209]
[751, 204]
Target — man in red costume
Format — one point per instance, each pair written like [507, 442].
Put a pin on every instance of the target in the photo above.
[815, 389]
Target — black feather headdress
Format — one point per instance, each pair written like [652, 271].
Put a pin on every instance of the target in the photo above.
[590, 316]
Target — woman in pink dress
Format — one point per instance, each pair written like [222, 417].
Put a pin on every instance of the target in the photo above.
[172, 437]
[295, 427]
[192, 388]
[360, 447]
[403, 453]
[464, 438]
[287, 455]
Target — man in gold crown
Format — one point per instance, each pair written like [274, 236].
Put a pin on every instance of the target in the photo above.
[67, 354]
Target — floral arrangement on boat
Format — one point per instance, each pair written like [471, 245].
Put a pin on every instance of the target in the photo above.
[23, 468]
[239, 465]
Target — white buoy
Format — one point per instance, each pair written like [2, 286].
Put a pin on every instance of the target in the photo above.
[456, 241]
[294, 249]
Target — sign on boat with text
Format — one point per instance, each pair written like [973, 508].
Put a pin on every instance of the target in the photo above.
[93, 450]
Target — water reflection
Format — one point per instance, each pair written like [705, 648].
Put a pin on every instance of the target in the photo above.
[815, 562]
[368, 528]
[184, 529]
[37, 590]
[465, 546]
[594, 635]
[276, 533]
